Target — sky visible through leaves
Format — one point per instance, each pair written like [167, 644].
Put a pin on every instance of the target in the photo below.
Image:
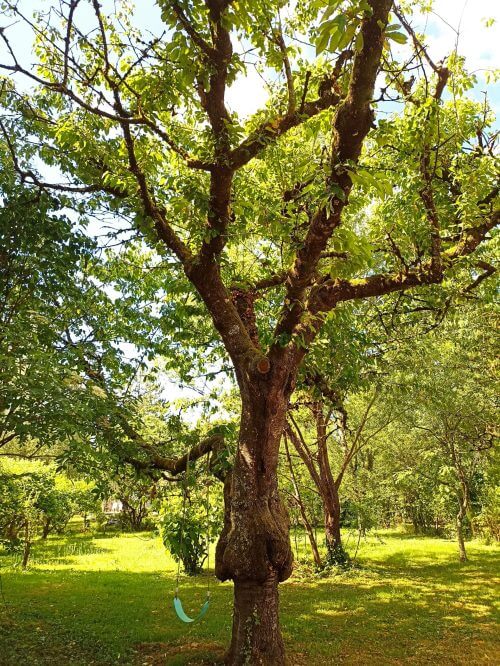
[464, 25]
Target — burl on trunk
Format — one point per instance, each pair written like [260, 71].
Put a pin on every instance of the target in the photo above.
[254, 548]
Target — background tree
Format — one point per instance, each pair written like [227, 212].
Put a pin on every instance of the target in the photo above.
[452, 388]
[35, 500]
[331, 437]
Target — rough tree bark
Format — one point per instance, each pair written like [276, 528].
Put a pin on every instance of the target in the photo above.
[254, 549]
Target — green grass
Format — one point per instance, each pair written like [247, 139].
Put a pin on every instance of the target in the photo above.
[108, 600]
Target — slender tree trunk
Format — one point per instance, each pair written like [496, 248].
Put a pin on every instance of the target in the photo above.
[416, 526]
[303, 513]
[460, 536]
[331, 508]
[311, 536]
[254, 548]
[326, 485]
[329, 491]
[27, 545]
[46, 528]
[460, 524]
[464, 499]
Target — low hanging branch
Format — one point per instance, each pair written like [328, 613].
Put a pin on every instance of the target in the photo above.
[175, 465]
[152, 461]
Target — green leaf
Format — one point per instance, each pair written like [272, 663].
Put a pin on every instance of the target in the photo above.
[347, 35]
[397, 37]
[358, 44]
[337, 191]
[322, 41]
[329, 11]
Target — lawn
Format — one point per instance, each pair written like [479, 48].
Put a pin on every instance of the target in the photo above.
[108, 600]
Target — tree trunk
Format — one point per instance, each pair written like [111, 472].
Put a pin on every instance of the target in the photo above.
[329, 490]
[312, 539]
[256, 636]
[327, 486]
[331, 507]
[303, 513]
[464, 503]
[46, 528]
[27, 545]
[460, 537]
[254, 548]
[463, 498]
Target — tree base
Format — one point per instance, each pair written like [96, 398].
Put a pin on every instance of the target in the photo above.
[336, 556]
[256, 637]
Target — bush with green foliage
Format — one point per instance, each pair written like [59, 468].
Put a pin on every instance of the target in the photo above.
[186, 526]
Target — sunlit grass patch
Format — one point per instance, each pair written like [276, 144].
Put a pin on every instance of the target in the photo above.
[108, 600]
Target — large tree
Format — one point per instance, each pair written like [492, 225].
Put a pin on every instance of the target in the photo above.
[43, 297]
[274, 222]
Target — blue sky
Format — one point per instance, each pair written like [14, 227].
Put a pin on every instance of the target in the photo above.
[452, 23]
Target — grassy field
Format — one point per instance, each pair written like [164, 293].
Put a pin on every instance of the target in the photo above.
[108, 600]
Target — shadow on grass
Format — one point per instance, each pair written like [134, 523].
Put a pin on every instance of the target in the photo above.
[401, 609]
[445, 569]
[108, 617]
[55, 551]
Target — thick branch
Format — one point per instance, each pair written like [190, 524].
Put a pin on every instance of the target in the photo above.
[174, 466]
[351, 124]
[213, 102]
[271, 130]
[327, 294]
